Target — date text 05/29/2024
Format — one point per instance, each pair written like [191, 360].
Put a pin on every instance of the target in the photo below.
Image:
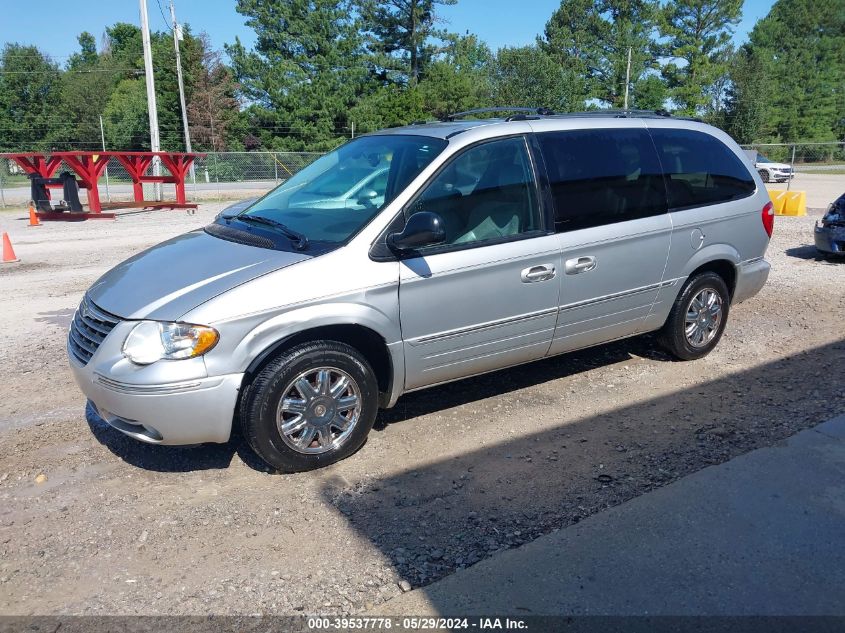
[416, 623]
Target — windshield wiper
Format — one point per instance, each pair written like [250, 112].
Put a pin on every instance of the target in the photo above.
[299, 240]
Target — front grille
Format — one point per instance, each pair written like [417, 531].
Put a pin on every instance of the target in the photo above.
[89, 328]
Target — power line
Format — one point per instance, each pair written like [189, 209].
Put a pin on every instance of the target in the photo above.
[172, 128]
[59, 71]
[160, 10]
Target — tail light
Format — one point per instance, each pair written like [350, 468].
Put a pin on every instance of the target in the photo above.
[769, 218]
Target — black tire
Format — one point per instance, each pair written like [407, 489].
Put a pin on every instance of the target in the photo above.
[673, 335]
[260, 402]
[764, 174]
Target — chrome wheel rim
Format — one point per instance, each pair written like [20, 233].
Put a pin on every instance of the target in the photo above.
[704, 316]
[318, 410]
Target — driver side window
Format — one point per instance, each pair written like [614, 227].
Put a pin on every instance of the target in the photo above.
[486, 193]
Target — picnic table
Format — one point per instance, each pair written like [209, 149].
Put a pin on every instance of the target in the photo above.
[89, 166]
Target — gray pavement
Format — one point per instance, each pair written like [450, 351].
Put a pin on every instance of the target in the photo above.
[762, 534]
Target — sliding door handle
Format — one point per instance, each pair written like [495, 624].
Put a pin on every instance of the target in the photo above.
[579, 265]
[537, 273]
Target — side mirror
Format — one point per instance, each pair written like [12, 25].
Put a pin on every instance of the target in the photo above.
[421, 229]
[367, 196]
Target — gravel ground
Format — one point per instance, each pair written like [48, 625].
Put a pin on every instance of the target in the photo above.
[93, 523]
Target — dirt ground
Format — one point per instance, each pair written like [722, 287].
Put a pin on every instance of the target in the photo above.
[448, 477]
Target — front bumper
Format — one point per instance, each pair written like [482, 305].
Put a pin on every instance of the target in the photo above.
[751, 276]
[193, 410]
[830, 239]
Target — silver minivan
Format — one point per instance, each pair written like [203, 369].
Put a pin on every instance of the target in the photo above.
[475, 244]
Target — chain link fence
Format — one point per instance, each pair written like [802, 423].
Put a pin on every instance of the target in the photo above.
[804, 157]
[240, 175]
[217, 175]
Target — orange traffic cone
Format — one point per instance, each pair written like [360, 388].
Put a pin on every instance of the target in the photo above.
[33, 217]
[8, 252]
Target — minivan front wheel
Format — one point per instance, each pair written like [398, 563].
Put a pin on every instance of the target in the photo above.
[310, 406]
[698, 317]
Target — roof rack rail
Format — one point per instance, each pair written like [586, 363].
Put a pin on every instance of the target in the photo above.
[618, 112]
[622, 113]
[536, 111]
[526, 114]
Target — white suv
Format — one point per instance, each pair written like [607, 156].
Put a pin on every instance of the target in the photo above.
[769, 170]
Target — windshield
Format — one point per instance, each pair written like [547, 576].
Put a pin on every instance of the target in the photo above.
[331, 199]
[763, 159]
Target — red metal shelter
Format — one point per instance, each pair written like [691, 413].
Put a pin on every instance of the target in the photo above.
[89, 166]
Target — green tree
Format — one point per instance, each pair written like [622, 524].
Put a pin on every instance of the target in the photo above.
[626, 25]
[461, 80]
[125, 118]
[389, 106]
[744, 117]
[86, 86]
[123, 60]
[529, 77]
[698, 34]
[306, 70]
[77, 115]
[171, 129]
[570, 40]
[649, 93]
[30, 88]
[402, 31]
[801, 47]
[124, 50]
[591, 39]
[87, 55]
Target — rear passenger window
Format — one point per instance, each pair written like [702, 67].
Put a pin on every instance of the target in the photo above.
[602, 176]
[700, 169]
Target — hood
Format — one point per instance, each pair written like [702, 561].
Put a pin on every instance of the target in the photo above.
[773, 165]
[170, 279]
[835, 214]
[234, 209]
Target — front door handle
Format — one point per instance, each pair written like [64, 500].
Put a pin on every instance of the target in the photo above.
[537, 273]
[579, 265]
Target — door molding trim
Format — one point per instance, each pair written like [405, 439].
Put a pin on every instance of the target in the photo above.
[484, 326]
[617, 295]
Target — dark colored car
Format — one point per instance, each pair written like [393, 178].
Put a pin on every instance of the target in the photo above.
[830, 234]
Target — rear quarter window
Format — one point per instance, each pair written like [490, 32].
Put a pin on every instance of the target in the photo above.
[700, 169]
[602, 176]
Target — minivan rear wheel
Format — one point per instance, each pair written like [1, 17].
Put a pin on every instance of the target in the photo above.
[310, 406]
[698, 317]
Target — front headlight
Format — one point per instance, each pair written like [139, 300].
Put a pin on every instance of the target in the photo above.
[150, 341]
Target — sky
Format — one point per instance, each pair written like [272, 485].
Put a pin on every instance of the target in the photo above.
[497, 22]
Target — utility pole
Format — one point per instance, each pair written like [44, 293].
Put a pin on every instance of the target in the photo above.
[627, 77]
[176, 33]
[103, 138]
[151, 94]
[213, 146]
